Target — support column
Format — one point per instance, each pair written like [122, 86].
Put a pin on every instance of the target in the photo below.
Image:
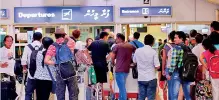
[128, 31]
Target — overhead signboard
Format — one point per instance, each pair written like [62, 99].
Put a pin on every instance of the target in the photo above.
[3, 13]
[85, 14]
[146, 11]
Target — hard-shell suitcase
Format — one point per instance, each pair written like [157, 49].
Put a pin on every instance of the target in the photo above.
[8, 90]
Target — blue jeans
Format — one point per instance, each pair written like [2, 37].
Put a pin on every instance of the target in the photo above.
[169, 85]
[175, 83]
[147, 89]
[31, 86]
[121, 81]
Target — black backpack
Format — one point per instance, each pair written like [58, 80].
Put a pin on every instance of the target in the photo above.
[32, 65]
[190, 65]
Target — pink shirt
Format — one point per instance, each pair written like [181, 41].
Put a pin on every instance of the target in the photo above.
[52, 49]
[81, 58]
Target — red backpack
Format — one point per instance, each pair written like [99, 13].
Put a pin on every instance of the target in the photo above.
[213, 64]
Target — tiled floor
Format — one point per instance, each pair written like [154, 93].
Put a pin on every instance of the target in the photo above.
[53, 97]
[159, 96]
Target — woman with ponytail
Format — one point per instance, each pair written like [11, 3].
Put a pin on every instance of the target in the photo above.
[210, 61]
[44, 74]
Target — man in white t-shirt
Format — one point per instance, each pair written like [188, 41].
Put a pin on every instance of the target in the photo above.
[147, 63]
[198, 49]
[7, 66]
[6, 61]
[25, 61]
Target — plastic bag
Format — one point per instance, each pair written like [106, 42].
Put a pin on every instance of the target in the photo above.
[92, 75]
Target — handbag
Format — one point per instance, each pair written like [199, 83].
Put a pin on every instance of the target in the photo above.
[203, 89]
[134, 66]
[53, 80]
[135, 72]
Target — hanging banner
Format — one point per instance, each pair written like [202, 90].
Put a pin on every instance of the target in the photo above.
[146, 11]
[85, 14]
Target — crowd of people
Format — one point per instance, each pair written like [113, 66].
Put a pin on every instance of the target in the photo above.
[173, 57]
[183, 60]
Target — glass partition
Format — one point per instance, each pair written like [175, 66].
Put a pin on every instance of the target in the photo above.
[24, 35]
[3, 33]
[159, 31]
[90, 31]
[202, 28]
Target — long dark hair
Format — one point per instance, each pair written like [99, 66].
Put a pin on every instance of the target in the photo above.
[47, 41]
[207, 44]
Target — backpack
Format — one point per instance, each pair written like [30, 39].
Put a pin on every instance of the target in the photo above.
[214, 65]
[161, 50]
[32, 66]
[187, 71]
[169, 55]
[65, 61]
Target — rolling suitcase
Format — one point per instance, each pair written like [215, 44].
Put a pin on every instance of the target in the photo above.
[8, 89]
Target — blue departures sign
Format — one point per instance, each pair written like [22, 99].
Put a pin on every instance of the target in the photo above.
[3, 13]
[146, 11]
[84, 14]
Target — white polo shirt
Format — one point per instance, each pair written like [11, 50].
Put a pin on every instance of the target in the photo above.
[146, 59]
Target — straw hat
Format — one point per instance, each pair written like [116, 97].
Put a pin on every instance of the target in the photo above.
[60, 31]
